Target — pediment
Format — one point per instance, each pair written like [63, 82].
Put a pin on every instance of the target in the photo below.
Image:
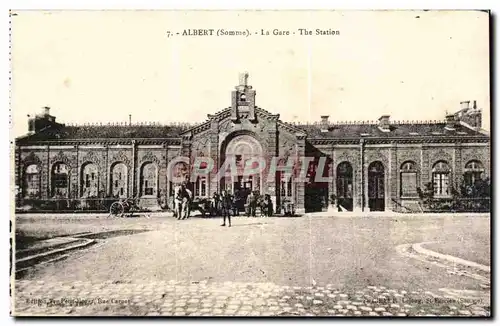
[224, 120]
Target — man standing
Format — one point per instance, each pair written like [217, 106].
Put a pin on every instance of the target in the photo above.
[188, 199]
[251, 204]
[226, 205]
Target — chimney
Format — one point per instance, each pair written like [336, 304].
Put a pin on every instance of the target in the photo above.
[31, 125]
[472, 116]
[46, 111]
[464, 105]
[324, 123]
[451, 122]
[383, 123]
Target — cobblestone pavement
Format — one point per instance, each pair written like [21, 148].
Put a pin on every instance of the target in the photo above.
[238, 299]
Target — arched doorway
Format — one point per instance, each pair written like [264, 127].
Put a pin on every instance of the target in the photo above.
[89, 181]
[119, 180]
[376, 187]
[241, 150]
[148, 180]
[344, 186]
[60, 180]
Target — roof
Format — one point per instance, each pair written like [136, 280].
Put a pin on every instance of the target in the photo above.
[313, 131]
[106, 131]
[403, 130]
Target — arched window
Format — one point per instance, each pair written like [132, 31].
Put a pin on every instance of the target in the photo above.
[441, 179]
[408, 179]
[89, 181]
[32, 181]
[119, 180]
[148, 180]
[60, 180]
[473, 173]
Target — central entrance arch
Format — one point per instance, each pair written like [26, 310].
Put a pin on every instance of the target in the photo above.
[241, 148]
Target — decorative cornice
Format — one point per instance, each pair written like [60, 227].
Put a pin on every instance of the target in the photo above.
[91, 157]
[105, 141]
[400, 140]
[150, 157]
[61, 157]
[120, 157]
[32, 159]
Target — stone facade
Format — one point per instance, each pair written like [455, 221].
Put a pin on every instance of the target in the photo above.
[363, 161]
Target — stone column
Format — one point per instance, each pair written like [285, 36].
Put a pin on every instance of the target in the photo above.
[359, 180]
[79, 172]
[18, 172]
[75, 174]
[214, 153]
[331, 175]
[393, 191]
[269, 153]
[163, 175]
[300, 186]
[425, 168]
[134, 171]
[457, 166]
[108, 172]
[46, 178]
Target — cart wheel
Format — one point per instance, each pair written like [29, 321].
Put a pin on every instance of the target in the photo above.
[116, 209]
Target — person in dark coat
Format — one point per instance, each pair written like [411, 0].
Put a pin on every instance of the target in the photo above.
[226, 206]
[215, 204]
[251, 204]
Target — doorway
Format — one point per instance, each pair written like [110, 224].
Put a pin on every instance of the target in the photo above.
[376, 187]
[344, 187]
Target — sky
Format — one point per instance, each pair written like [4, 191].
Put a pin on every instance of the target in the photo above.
[101, 66]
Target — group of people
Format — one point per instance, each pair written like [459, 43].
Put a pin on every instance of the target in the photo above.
[226, 205]
[223, 204]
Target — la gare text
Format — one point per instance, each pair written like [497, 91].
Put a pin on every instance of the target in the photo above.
[260, 32]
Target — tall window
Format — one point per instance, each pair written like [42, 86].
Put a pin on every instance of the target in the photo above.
[89, 181]
[285, 184]
[119, 180]
[32, 181]
[473, 173]
[441, 179]
[408, 179]
[200, 189]
[344, 180]
[148, 179]
[60, 180]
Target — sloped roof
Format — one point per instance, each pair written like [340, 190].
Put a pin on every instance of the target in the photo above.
[106, 131]
[404, 130]
[313, 131]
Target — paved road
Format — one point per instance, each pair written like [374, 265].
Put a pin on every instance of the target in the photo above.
[297, 257]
